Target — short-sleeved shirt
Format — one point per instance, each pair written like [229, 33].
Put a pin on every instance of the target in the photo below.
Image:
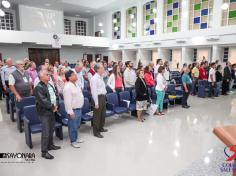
[213, 73]
[53, 97]
[186, 79]
[195, 72]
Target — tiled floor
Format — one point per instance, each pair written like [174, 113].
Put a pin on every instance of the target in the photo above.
[161, 146]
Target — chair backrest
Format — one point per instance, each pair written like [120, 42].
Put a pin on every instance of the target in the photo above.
[109, 90]
[87, 94]
[125, 95]
[31, 114]
[62, 109]
[27, 101]
[112, 98]
[86, 107]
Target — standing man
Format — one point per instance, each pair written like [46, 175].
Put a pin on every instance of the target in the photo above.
[46, 105]
[80, 76]
[98, 90]
[129, 76]
[195, 76]
[20, 82]
[6, 71]
[74, 101]
[212, 80]
[226, 78]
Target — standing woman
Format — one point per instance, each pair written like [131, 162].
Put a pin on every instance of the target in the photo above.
[160, 90]
[187, 82]
[115, 81]
[142, 96]
[167, 71]
[148, 76]
[60, 80]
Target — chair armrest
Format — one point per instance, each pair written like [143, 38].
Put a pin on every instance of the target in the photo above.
[110, 106]
[26, 121]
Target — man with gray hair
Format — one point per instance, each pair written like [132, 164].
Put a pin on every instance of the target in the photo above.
[5, 72]
[98, 90]
[20, 82]
[46, 104]
[80, 77]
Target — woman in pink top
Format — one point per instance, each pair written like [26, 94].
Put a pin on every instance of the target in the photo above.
[32, 72]
[115, 81]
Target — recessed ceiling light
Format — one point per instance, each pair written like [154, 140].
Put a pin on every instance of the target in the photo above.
[102, 31]
[100, 24]
[47, 4]
[134, 24]
[154, 10]
[116, 28]
[2, 13]
[6, 4]
[88, 11]
[77, 15]
[225, 6]
[132, 16]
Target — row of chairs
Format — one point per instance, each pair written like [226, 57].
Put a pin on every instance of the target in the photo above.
[203, 88]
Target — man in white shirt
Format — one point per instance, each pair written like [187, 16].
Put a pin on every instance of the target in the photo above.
[212, 80]
[129, 76]
[159, 63]
[98, 90]
[74, 101]
[80, 77]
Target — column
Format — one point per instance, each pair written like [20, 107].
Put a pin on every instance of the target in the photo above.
[217, 53]
[185, 16]
[123, 24]
[160, 11]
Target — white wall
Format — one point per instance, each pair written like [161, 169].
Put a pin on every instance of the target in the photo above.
[130, 55]
[145, 56]
[116, 56]
[41, 20]
[232, 55]
[176, 58]
[203, 52]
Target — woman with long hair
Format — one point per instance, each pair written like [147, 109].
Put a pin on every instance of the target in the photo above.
[115, 81]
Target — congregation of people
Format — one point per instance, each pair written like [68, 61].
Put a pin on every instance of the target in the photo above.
[61, 81]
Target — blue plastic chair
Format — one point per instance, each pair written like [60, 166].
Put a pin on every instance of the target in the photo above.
[62, 116]
[33, 125]
[114, 105]
[27, 101]
[85, 110]
[202, 88]
[126, 96]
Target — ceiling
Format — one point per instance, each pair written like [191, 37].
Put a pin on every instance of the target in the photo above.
[85, 8]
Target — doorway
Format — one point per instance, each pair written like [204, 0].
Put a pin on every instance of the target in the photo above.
[38, 55]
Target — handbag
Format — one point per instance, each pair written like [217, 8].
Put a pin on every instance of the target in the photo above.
[152, 109]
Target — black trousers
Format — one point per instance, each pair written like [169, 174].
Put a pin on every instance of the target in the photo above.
[99, 115]
[225, 86]
[48, 123]
[185, 96]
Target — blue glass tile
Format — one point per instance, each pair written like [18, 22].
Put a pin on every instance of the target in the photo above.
[175, 5]
[152, 21]
[203, 26]
[196, 20]
[147, 6]
[232, 0]
[115, 33]
[152, 32]
[169, 12]
[204, 12]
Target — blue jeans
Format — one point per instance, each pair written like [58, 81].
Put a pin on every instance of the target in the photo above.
[74, 124]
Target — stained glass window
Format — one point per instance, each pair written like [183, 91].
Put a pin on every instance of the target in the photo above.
[172, 15]
[149, 18]
[229, 12]
[116, 25]
[131, 22]
[200, 14]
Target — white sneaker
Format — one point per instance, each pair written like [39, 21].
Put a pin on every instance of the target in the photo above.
[75, 145]
[80, 141]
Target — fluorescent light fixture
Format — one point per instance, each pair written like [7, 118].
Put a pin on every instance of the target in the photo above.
[88, 11]
[6, 4]
[102, 31]
[2, 13]
[114, 20]
[47, 4]
[155, 20]
[100, 24]
[77, 15]
[116, 28]
[225, 6]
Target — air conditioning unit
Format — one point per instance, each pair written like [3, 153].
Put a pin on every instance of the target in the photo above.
[181, 40]
[213, 38]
